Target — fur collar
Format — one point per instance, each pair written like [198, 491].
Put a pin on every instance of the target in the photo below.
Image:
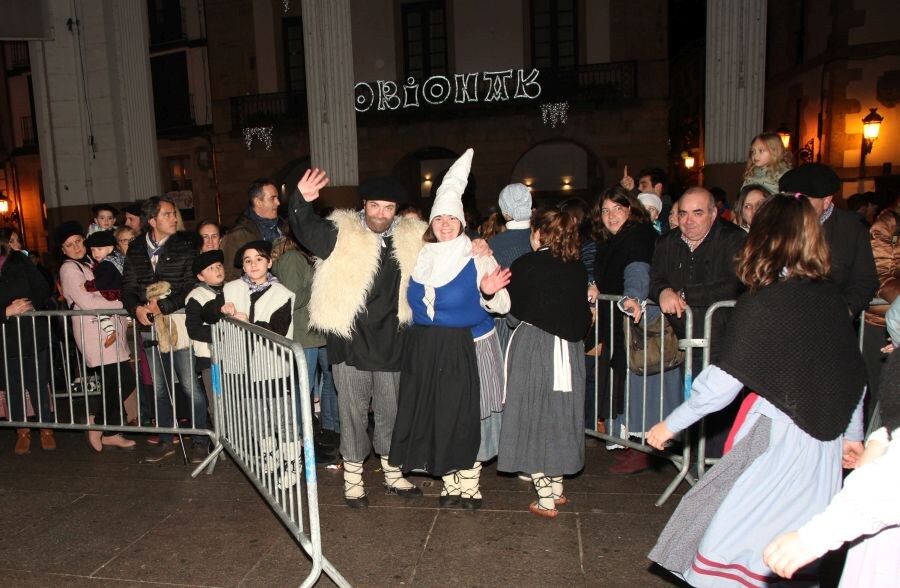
[342, 281]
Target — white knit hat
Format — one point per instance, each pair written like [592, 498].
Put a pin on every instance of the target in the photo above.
[650, 199]
[515, 202]
[448, 199]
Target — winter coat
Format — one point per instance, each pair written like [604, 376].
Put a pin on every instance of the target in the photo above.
[244, 231]
[173, 266]
[19, 278]
[89, 337]
[885, 233]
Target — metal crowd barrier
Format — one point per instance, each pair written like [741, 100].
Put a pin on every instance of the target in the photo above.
[621, 430]
[256, 375]
[78, 395]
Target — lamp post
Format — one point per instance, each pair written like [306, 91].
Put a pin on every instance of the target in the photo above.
[871, 129]
[785, 135]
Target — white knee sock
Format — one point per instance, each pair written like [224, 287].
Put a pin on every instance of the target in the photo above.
[557, 487]
[353, 480]
[451, 484]
[544, 488]
[469, 481]
[393, 477]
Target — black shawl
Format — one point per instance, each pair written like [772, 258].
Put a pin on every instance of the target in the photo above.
[793, 344]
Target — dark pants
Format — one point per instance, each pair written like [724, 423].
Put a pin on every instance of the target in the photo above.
[874, 338]
[33, 375]
[116, 383]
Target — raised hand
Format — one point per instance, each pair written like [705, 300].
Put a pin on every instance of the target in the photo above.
[495, 281]
[311, 182]
[627, 181]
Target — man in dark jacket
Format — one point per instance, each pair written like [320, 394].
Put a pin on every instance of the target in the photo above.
[163, 254]
[693, 265]
[259, 222]
[852, 263]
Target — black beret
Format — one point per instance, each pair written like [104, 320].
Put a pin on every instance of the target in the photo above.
[383, 188]
[813, 180]
[258, 245]
[206, 259]
[100, 239]
[66, 230]
[98, 207]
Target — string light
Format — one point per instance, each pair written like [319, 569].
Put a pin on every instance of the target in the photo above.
[286, 4]
[556, 113]
[264, 134]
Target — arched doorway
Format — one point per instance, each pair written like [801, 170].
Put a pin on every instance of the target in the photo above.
[559, 169]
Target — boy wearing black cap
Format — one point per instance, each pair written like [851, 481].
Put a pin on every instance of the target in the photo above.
[107, 276]
[203, 307]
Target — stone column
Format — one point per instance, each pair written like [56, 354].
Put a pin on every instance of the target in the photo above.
[135, 104]
[735, 87]
[327, 39]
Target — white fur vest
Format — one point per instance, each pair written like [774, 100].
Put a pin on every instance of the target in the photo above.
[342, 281]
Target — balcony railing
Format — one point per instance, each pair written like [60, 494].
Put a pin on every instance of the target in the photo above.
[598, 83]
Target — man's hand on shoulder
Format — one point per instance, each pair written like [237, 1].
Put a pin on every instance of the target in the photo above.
[480, 248]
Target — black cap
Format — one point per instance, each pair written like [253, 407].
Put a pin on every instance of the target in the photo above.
[258, 245]
[206, 259]
[66, 230]
[813, 180]
[100, 239]
[98, 207]
[383, 188]
[133, 209]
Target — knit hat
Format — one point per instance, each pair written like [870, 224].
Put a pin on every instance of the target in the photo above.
[515, 202]
[448, 199]
[649, 199]
[813, 180]
[100, 239]
[258, 245]
[66, 230]
[383, 188]
[206, 259]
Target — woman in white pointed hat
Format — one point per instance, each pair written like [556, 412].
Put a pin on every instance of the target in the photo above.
[448, 413]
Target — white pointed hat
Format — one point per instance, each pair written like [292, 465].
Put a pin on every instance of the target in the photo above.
[448, 199]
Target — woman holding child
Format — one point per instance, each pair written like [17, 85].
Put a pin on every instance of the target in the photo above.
[79, 287]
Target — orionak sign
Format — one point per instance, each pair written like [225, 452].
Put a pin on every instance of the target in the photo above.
[488, 86]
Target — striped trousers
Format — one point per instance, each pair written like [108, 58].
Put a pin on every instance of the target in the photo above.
[356, 389]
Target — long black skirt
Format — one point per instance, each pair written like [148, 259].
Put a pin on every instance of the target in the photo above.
[438, 427]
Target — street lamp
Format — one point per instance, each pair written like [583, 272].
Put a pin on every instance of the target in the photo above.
[871, 129]
[689, 160]
[785, 135]
[8, 216]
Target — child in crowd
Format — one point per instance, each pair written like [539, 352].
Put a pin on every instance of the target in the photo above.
[107, 276]
[767, 162]
[124, 237]
[257, 296]
[653, 205]
[104, 218]
[203, 306]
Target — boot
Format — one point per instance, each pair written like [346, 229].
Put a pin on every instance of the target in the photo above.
[23, 442]
[395, 483]
[544, 505]
[450, 492]
[48, 443]
[94, 437]
[470, 491]
[354, 490]
[556, 485]
[634, 462]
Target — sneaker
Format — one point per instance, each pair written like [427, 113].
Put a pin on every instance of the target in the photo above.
[154, 440]
[160, 452]
[199, 452]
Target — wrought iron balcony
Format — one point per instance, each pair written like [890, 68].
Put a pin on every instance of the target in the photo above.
[600, 83]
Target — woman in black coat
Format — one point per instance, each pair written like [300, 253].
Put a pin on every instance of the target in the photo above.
[26, 342]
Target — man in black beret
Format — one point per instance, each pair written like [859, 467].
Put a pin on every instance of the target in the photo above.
[359, 301]
[852, 264]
